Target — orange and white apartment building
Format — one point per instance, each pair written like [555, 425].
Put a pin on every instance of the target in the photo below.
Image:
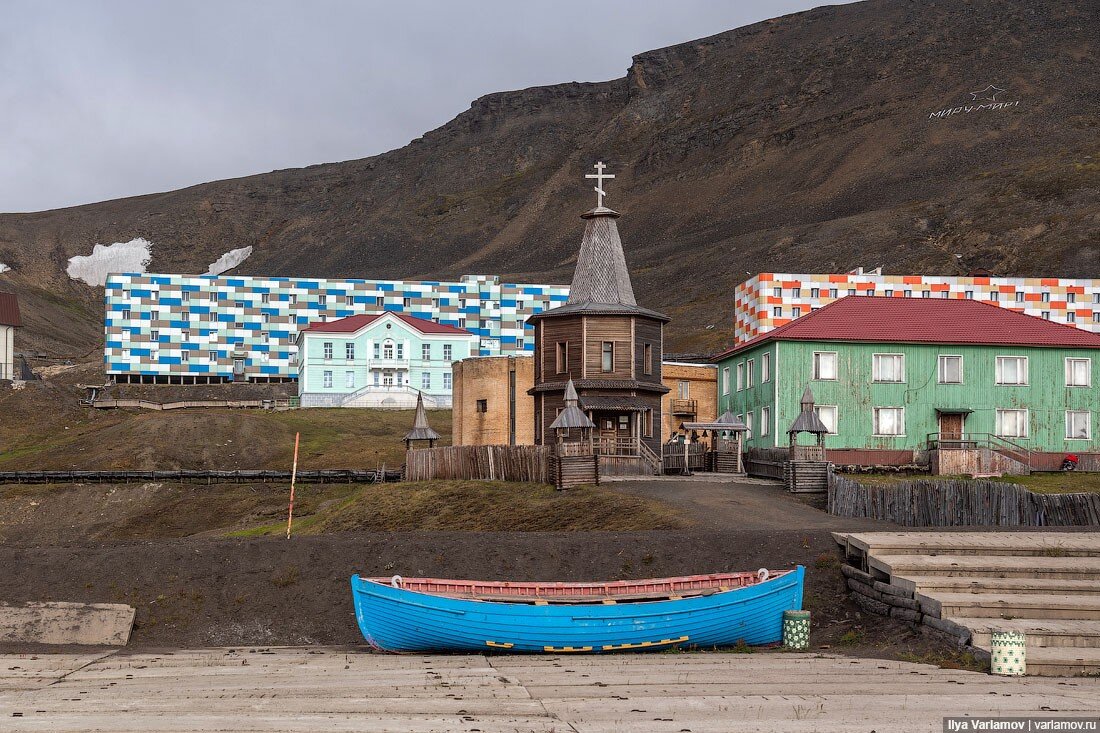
[771, 299]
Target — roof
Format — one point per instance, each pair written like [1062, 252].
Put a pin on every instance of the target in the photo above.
[571, 416]
[9, 310]
[421, 429]
[630, 404]
[631, 384]
[726, 421]
[351, 324]
[871, 319]
[601, 281]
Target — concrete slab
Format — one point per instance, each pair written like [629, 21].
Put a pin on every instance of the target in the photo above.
[1058, 544]
[340, 690]
[87, 624]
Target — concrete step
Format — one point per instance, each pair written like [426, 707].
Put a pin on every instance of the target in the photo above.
[1040, 632]
[1032, 544]
[936, 584]
[1012, 606]
[1062, 661]
[995, 566]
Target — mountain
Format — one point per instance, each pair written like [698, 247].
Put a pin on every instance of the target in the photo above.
[807, 142]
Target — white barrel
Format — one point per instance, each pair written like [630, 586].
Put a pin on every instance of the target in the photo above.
[1008, 653]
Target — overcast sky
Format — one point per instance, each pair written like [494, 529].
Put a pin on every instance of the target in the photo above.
[100, 100]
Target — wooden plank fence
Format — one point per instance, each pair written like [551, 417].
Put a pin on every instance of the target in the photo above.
[481, 462]
[947, 503]
[766, 462]
[270, 404]
[322, 476]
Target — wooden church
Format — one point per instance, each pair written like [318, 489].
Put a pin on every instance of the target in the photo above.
[611, 349]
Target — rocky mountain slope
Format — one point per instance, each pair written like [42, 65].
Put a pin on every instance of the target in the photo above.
[806, 142]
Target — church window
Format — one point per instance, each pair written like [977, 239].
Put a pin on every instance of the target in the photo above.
[647, 358]
[607, 356]
[561, 362]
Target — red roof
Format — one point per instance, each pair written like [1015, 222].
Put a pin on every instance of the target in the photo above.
[9, 310]
[863, 318]
[351, 324]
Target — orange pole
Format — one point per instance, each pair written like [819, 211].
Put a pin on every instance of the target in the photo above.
[293, 476]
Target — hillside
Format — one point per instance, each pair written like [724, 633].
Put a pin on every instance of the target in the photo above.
[802, 143]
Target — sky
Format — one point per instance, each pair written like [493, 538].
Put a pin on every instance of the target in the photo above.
[102, 99]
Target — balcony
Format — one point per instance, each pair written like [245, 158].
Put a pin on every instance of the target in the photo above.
[684, 407]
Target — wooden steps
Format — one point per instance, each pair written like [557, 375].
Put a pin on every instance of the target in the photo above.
[969, 584]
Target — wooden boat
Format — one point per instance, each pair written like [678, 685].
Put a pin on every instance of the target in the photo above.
[429, 614]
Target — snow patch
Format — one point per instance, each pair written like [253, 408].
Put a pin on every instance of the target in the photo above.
[229, 260]
[4, 268]
[105, 259]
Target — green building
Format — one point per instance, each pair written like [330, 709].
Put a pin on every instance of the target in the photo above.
[383, 360]
[893, 374]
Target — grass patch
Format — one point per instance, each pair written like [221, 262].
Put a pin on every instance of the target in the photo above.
[1054, 482]
[480, 506]
[947, 660]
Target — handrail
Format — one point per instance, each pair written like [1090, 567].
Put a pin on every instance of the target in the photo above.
[992, 441]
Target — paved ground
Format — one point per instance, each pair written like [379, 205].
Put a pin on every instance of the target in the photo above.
[722, 502]
[328, 689]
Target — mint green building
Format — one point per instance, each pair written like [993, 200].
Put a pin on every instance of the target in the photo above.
[892, 374]
[381, 360]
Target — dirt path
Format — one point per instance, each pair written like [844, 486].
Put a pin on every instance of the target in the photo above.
[741, 503]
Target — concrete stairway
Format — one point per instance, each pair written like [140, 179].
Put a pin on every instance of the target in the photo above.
[1046, 584]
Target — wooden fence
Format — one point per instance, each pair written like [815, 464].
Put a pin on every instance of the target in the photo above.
[271, 404]
[483, 462]
[927, 503]
[309, 476]
[767, 462]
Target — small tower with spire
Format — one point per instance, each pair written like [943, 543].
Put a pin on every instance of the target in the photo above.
[604, 344]
[421, 430]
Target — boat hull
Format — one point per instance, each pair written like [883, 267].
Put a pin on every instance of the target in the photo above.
[398, 620]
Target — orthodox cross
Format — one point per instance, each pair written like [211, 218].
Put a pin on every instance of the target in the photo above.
[600, 176]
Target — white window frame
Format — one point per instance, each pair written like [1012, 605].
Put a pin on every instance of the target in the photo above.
[998, 425]
[876, 422]
[876, 358]
[426, 352]
[815, 371]
[448, 352]
[326, 379]
[749, 424]
[940, 371]
[765, 421]
[740, 376]
[725, 380]
[425, 380]
[765, 368]
[777, 311]
[326, 349]
[349, 350]
[349, 379]
[447, 380]
[836, 417]
[1088, 371]
[1088, 424]
[998, 371]
[750, 366]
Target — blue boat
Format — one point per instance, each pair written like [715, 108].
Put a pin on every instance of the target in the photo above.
[700, 611]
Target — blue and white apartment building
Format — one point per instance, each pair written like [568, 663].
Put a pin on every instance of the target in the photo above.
[205, 329]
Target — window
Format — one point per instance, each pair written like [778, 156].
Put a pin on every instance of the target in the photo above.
[377, 377]
[750, 367]
[426, 352]
[328, 351]
[796, 292]
[265, 298]
[483, 405]
[379, 301]
[377, 350]
[400, 350]
[888, 368]
[446, 380]
[825, 365]
[827, 415]
[561, 358]
[1096, 298]
[908, 293]
[155, 335]
[1096, 317]
[833, 292]
[212, 355]
[968, 294]
[349, 300]
[1078, 425]
[1019, 296]
[1071, 297]
[322, 300]
[995, 296]
[387, 379]
[1045, 315]
[765, 420]
[1078, 372]
[740, 376]
[327, 379]
[647, 424]
[925, 294]
[447, 352]
[294, 299]
[425, 380]
[1071, 317]
[889, 293]
[647, 358]
[1012, 423]
[748, 424]
[387, 350]
[1011, 370]
[185, 356]
[267, 318]
[765, 367]
[777, 292]
[683, 389]
[1046, 296]
[777, 312]
[607, 356]
[126, 315]
[725, 380]
[851, 291]
[349, 350]
[950, 370]
[406, 302]
[349, 380]
[815, 292]
[889, 421]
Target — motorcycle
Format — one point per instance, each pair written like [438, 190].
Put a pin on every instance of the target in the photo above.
[1069, 463]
